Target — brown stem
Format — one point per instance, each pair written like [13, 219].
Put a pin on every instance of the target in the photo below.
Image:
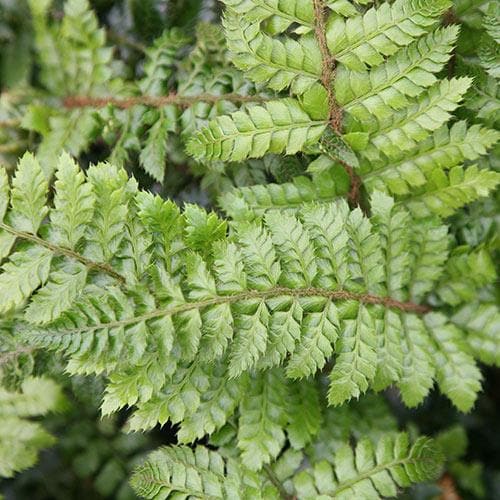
[328, 67]
[448, 488]
[82, 101]
[335, 112]
[258, 294]
[5, 357]
[354, 194]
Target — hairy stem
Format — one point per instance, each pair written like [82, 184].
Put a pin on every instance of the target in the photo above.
[82, 101]
[335, 111]
[328, 66]
[340, 295]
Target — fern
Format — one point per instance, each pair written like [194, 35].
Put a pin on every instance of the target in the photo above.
[274, 294]
[276, 127]
[202, 473]
[366, 471]
[278, 63]
[278, 14]
[20, 446]
[351, 147]
[364, 40]
[395, 109]
[370, 472]
[75, 52]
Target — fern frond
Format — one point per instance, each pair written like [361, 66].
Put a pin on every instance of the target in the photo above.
[161, 57]
[22, 439]
[249, 202]
[459, 283]
[201, 473]
[419, 171]
[371, 471]
[445, 192]
[405, 74]
[444, 149]
[280, 63]
[403, 129]
[276, 127]
[262, 419]
[481, 322]
[374, 470]
[367, 38]
[168, 305]
[305, 418]
[278, 14]
[457, 375]
[75, 61]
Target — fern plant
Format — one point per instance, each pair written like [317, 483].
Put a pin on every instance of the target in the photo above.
[169, 305]
[253, 335]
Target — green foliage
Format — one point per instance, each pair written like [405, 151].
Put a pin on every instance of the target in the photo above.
[202, 473]
[280, 63]
[371, 472]
[276, 127]
[367, 472]
[21, 438]
[365, 39]
[167, 304]
[351, 145]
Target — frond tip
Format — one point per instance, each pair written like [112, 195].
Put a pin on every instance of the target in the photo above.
[372, 472]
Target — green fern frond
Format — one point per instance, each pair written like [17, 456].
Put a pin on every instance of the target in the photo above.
[404, 75]
[444, 149]
[276, 127]
[368, 471]
[249, 202]
[405, 128]
[21, 439]
[459, 285]
[75, 61]
[262, 419]
[371, 471]
[481, 322]
[445, 192]
[202, 473]
[419, 176]
[278, 14]
[155, 308]
[365, 39]
[280, 63]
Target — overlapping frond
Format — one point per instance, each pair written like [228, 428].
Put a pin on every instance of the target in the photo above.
[74, 61]
[370, 470]
[154, 297]
[201, 473]
[404, 75]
